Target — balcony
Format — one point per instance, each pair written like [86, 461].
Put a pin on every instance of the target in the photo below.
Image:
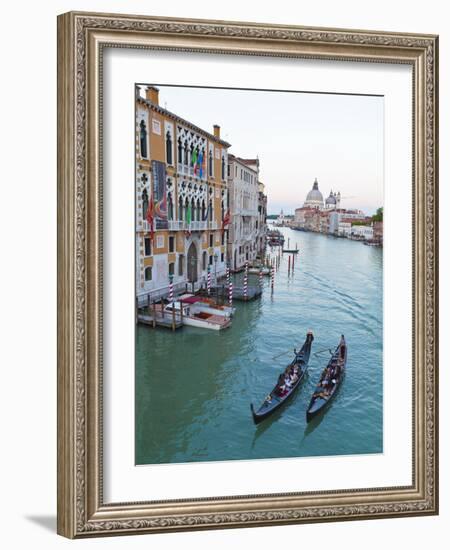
[181, 225]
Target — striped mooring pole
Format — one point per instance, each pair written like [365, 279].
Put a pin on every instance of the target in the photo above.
[228, 275]
[246, 280]
[230, 293]
[208, 281]
[272, 278]
[170, 288]
[260, 277]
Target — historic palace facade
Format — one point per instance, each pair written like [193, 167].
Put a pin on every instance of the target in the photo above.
[182, 206]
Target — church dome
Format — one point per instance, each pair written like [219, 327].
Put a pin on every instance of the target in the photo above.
[331, 199]
[314, 198]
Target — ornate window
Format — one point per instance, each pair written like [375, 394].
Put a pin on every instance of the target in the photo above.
[210, 211]
[170, 207]
[169, 148]
[180, 209]
[210, 164]
[186, 153]
[223, 167]
[143, 139]
[203, 211]
[204, 260]
[144, 204]
[180, 151]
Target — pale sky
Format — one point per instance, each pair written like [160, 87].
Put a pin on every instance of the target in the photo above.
[298, 137]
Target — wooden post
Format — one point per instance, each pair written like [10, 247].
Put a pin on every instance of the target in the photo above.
[181, 312]
[293, 262]
[289, 264]
[154, 314]
[173, 316]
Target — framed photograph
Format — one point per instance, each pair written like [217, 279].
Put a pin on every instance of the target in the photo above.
[247, 274]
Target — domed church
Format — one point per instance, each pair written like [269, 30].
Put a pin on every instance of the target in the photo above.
[333, 201]
[314, 199]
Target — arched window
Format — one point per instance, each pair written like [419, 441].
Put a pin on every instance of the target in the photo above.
[204, 260]
[170, 207]
[180, 209]
[210, 164]
[198, 210]
[193, 213]
[180, 151]
[168, 148]
[186, 153]
[143, 139]
[144, 204]
[223, 168]
[186, 208]
[223, 212]
[210, 211]
[203, 211]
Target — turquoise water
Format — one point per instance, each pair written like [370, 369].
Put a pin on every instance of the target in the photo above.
[194, 387]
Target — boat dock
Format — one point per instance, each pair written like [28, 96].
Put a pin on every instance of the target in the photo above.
[160, 321]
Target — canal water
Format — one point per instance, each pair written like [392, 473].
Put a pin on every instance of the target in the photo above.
[194, 386]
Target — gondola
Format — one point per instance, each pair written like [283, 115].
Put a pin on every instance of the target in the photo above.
[290, 250]
[278, 396]
[329, 382]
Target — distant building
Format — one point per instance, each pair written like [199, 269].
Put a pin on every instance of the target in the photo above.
[261, 222]
[363, 232]
[244, 229]
[378, 231]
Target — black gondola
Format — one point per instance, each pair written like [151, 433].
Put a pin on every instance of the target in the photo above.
[329, 382]
[281, 393]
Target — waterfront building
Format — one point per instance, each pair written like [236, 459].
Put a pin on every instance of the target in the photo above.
[378, 231]
[244, 229]
[261, 222]
[363, 232]
[345, 228]
[181, 200]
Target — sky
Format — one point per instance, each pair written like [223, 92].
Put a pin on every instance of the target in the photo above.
[298, 137]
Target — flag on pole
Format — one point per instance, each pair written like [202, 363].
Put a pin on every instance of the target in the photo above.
[194, 158]
[200, 163]
[188, 219]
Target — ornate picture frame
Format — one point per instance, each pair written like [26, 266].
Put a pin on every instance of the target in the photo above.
[82, 37]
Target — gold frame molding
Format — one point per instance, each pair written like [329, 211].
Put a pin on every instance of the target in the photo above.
[81, 39]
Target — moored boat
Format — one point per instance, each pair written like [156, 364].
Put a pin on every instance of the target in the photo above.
[197, 318]
[329, 382]
[288, 381]
[257, 269]
[206, 305]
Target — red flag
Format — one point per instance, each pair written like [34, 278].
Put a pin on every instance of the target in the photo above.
[149, 217]
[226, 220]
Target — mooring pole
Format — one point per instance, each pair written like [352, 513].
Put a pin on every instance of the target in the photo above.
[154, 314]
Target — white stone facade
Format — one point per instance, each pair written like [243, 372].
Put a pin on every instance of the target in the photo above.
[244, 230]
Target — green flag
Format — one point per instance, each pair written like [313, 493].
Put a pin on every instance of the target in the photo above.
[194, 157]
